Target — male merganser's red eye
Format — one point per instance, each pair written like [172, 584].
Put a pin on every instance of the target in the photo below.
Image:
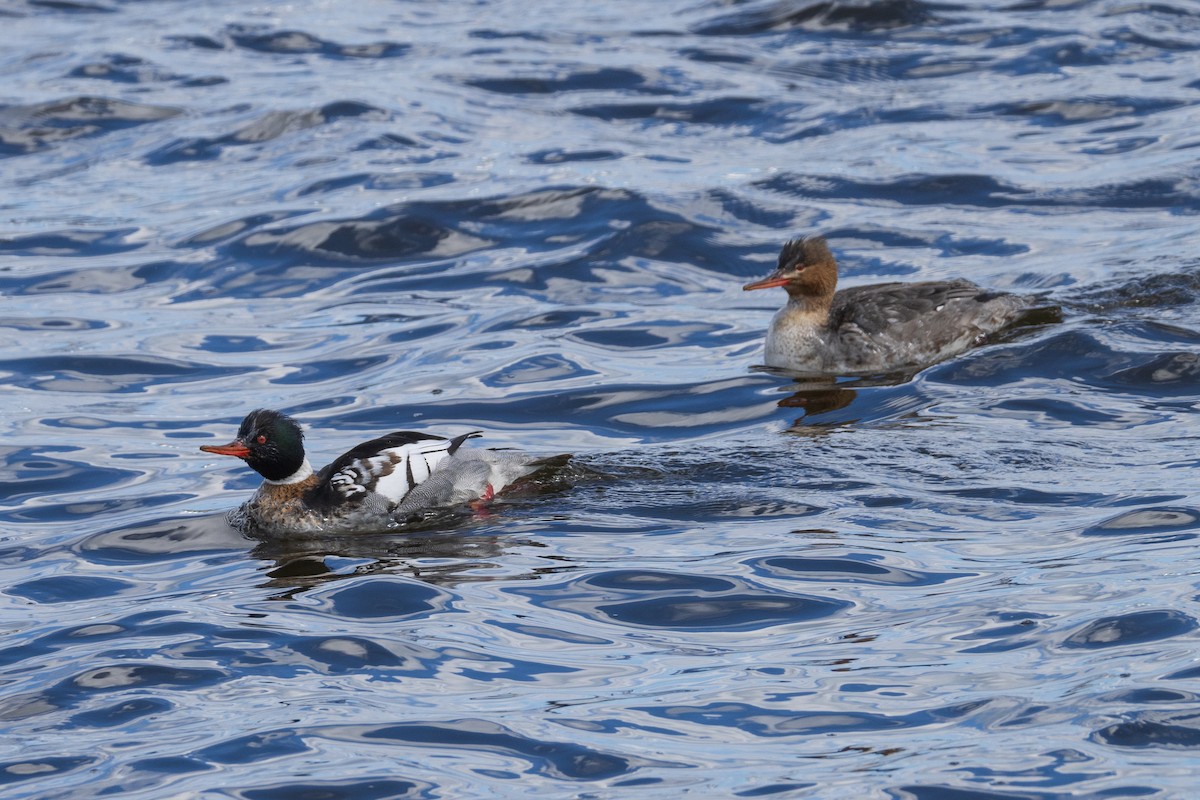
[262, 439]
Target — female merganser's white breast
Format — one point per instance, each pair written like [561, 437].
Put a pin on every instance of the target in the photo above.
[797, 336]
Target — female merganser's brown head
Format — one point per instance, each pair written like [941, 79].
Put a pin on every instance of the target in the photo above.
[806, 269]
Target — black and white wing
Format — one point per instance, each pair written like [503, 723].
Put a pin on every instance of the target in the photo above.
[390, 466]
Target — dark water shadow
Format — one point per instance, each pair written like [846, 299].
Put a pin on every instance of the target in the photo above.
[830, 19]
[1134, 357]
[1179, 287]
[660, 600]
[30, 128]
[1156, 524]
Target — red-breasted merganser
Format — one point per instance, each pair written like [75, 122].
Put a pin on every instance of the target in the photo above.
[872, 329]
[372, 487]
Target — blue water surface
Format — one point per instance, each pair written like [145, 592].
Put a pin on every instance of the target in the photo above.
[534, 219]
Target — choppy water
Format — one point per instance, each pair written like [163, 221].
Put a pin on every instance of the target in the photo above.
[534, 218]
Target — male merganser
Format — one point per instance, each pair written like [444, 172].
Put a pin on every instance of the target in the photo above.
[372, 487]
[872, 329]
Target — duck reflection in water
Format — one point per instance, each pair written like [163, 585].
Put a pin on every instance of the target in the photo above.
[445, 558]
[817, 397]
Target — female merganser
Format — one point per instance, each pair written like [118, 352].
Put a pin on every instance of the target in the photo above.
[872, 329]
[374, 486]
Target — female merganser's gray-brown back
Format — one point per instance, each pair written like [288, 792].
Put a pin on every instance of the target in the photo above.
[884, 327]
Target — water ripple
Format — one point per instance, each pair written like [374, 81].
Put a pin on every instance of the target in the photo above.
[29, 128]
[535, 221]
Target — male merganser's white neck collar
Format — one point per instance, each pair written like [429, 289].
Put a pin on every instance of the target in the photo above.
[300, 474]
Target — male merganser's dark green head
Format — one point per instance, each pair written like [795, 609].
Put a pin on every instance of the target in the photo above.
[269, 441]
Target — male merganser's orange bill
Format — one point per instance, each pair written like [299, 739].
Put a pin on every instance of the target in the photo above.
[372, 487]
[865, 330]
[235, 448]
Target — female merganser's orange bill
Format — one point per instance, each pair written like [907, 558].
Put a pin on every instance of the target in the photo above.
[372, 487]
[866, 330]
